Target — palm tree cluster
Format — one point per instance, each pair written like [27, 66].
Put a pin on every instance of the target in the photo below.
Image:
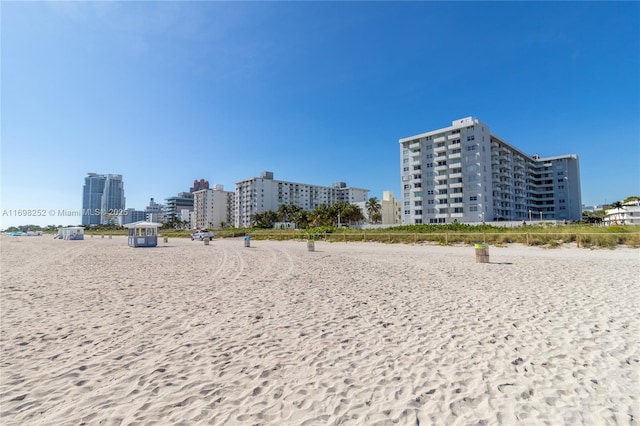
[340, 213]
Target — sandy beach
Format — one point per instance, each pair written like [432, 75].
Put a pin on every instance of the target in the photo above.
[96, 332]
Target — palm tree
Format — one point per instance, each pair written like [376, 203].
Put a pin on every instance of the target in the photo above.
[373, 208]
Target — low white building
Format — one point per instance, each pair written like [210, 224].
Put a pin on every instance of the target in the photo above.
[628, 214]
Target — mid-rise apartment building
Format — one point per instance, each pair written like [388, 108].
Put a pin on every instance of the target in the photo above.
[391, 209]
[174, 206]
[464, 173]
[213, 208]
[261, 194]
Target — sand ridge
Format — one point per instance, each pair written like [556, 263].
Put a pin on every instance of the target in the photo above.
[97, 332]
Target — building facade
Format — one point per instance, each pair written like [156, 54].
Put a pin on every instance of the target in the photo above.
[213, 208]
[391, 209]
[154, 212]
[261, 194]
[92, 198]
[463, 173]
[103, 200]
[175, 206]
[627, 214]
[113, 200]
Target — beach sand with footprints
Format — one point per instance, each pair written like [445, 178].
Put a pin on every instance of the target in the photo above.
[96, 332]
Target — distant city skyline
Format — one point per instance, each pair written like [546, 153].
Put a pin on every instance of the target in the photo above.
[163, 93]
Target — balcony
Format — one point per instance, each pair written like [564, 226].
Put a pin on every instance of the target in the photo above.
[440, 149]
[455, 165]
[441, 157]
[454, 156]
[415, 145]
[455, 175]
[456, 185]
[440, 168]
[442, 186]
[439, 139]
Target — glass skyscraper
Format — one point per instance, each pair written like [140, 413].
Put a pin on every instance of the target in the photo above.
[102, 199]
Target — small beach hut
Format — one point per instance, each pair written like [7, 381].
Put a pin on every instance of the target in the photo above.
[143, 234]
[71, 233]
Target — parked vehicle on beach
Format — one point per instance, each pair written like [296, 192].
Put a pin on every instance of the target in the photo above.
[201, 234]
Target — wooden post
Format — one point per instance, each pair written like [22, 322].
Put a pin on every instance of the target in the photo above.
[528, 243]
[446, 238]
[415, 238]
[484, 237]
[389, 237]
[577, 240]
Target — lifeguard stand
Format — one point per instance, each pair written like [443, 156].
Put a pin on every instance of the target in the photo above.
[143, 234]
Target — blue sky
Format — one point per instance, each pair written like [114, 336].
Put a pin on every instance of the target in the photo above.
[316, 92]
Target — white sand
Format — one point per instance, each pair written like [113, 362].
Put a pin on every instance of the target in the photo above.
[355, 333]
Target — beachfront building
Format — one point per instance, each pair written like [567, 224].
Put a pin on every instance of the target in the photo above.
[464, 173]
[627, 214]
[175, 206]
[213, 208]
[391, 209]
[154, 212]
[112, 204]
[103, 200]
[261, 194]
[92, 198]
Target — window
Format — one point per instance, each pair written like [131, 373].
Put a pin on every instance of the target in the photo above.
[472, 148]
[429, 165]
[473, 198]
[430, 192]
[473, 208]
[417, 203]
[418, 212]
[430, 202]
[470, 138]
[417, 185]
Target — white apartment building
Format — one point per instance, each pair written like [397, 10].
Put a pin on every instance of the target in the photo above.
[466, 174]
[261, 194]
[628, 214]
[213, 208]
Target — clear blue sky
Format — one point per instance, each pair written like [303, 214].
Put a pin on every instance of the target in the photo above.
[316, 92]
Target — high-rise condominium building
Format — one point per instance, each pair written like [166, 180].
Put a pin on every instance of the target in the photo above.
[92, 198]
[261, 194]
[464, 173]
[102, 199]
[213, 208]
[113, 201]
